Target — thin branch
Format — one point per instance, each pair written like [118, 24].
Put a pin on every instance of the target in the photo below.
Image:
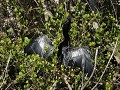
[114, 10]
[36, 2]
[91, 7]
[54, 85]
[5, 71]
[92, 71]
[83, 75]
[9, 85]
[106, 65]
[65, 79]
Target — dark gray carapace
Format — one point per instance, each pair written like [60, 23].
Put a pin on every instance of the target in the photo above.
[41, 45]
[78, 57]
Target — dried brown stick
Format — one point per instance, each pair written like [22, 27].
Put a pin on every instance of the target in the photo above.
[106, 65]
[92, 71]
[65, 79]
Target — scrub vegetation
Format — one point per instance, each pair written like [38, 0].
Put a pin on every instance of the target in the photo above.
[95, 28]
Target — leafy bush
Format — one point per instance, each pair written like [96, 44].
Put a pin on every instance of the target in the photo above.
[24, 20]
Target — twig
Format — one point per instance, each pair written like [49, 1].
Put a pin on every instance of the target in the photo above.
[114, 10]
[92, 71]
[5, 71]
[54, 85]
[9, 85]
[36, 2]
[106, 65]
[65, 79]
[92, 6]
[83, 74]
